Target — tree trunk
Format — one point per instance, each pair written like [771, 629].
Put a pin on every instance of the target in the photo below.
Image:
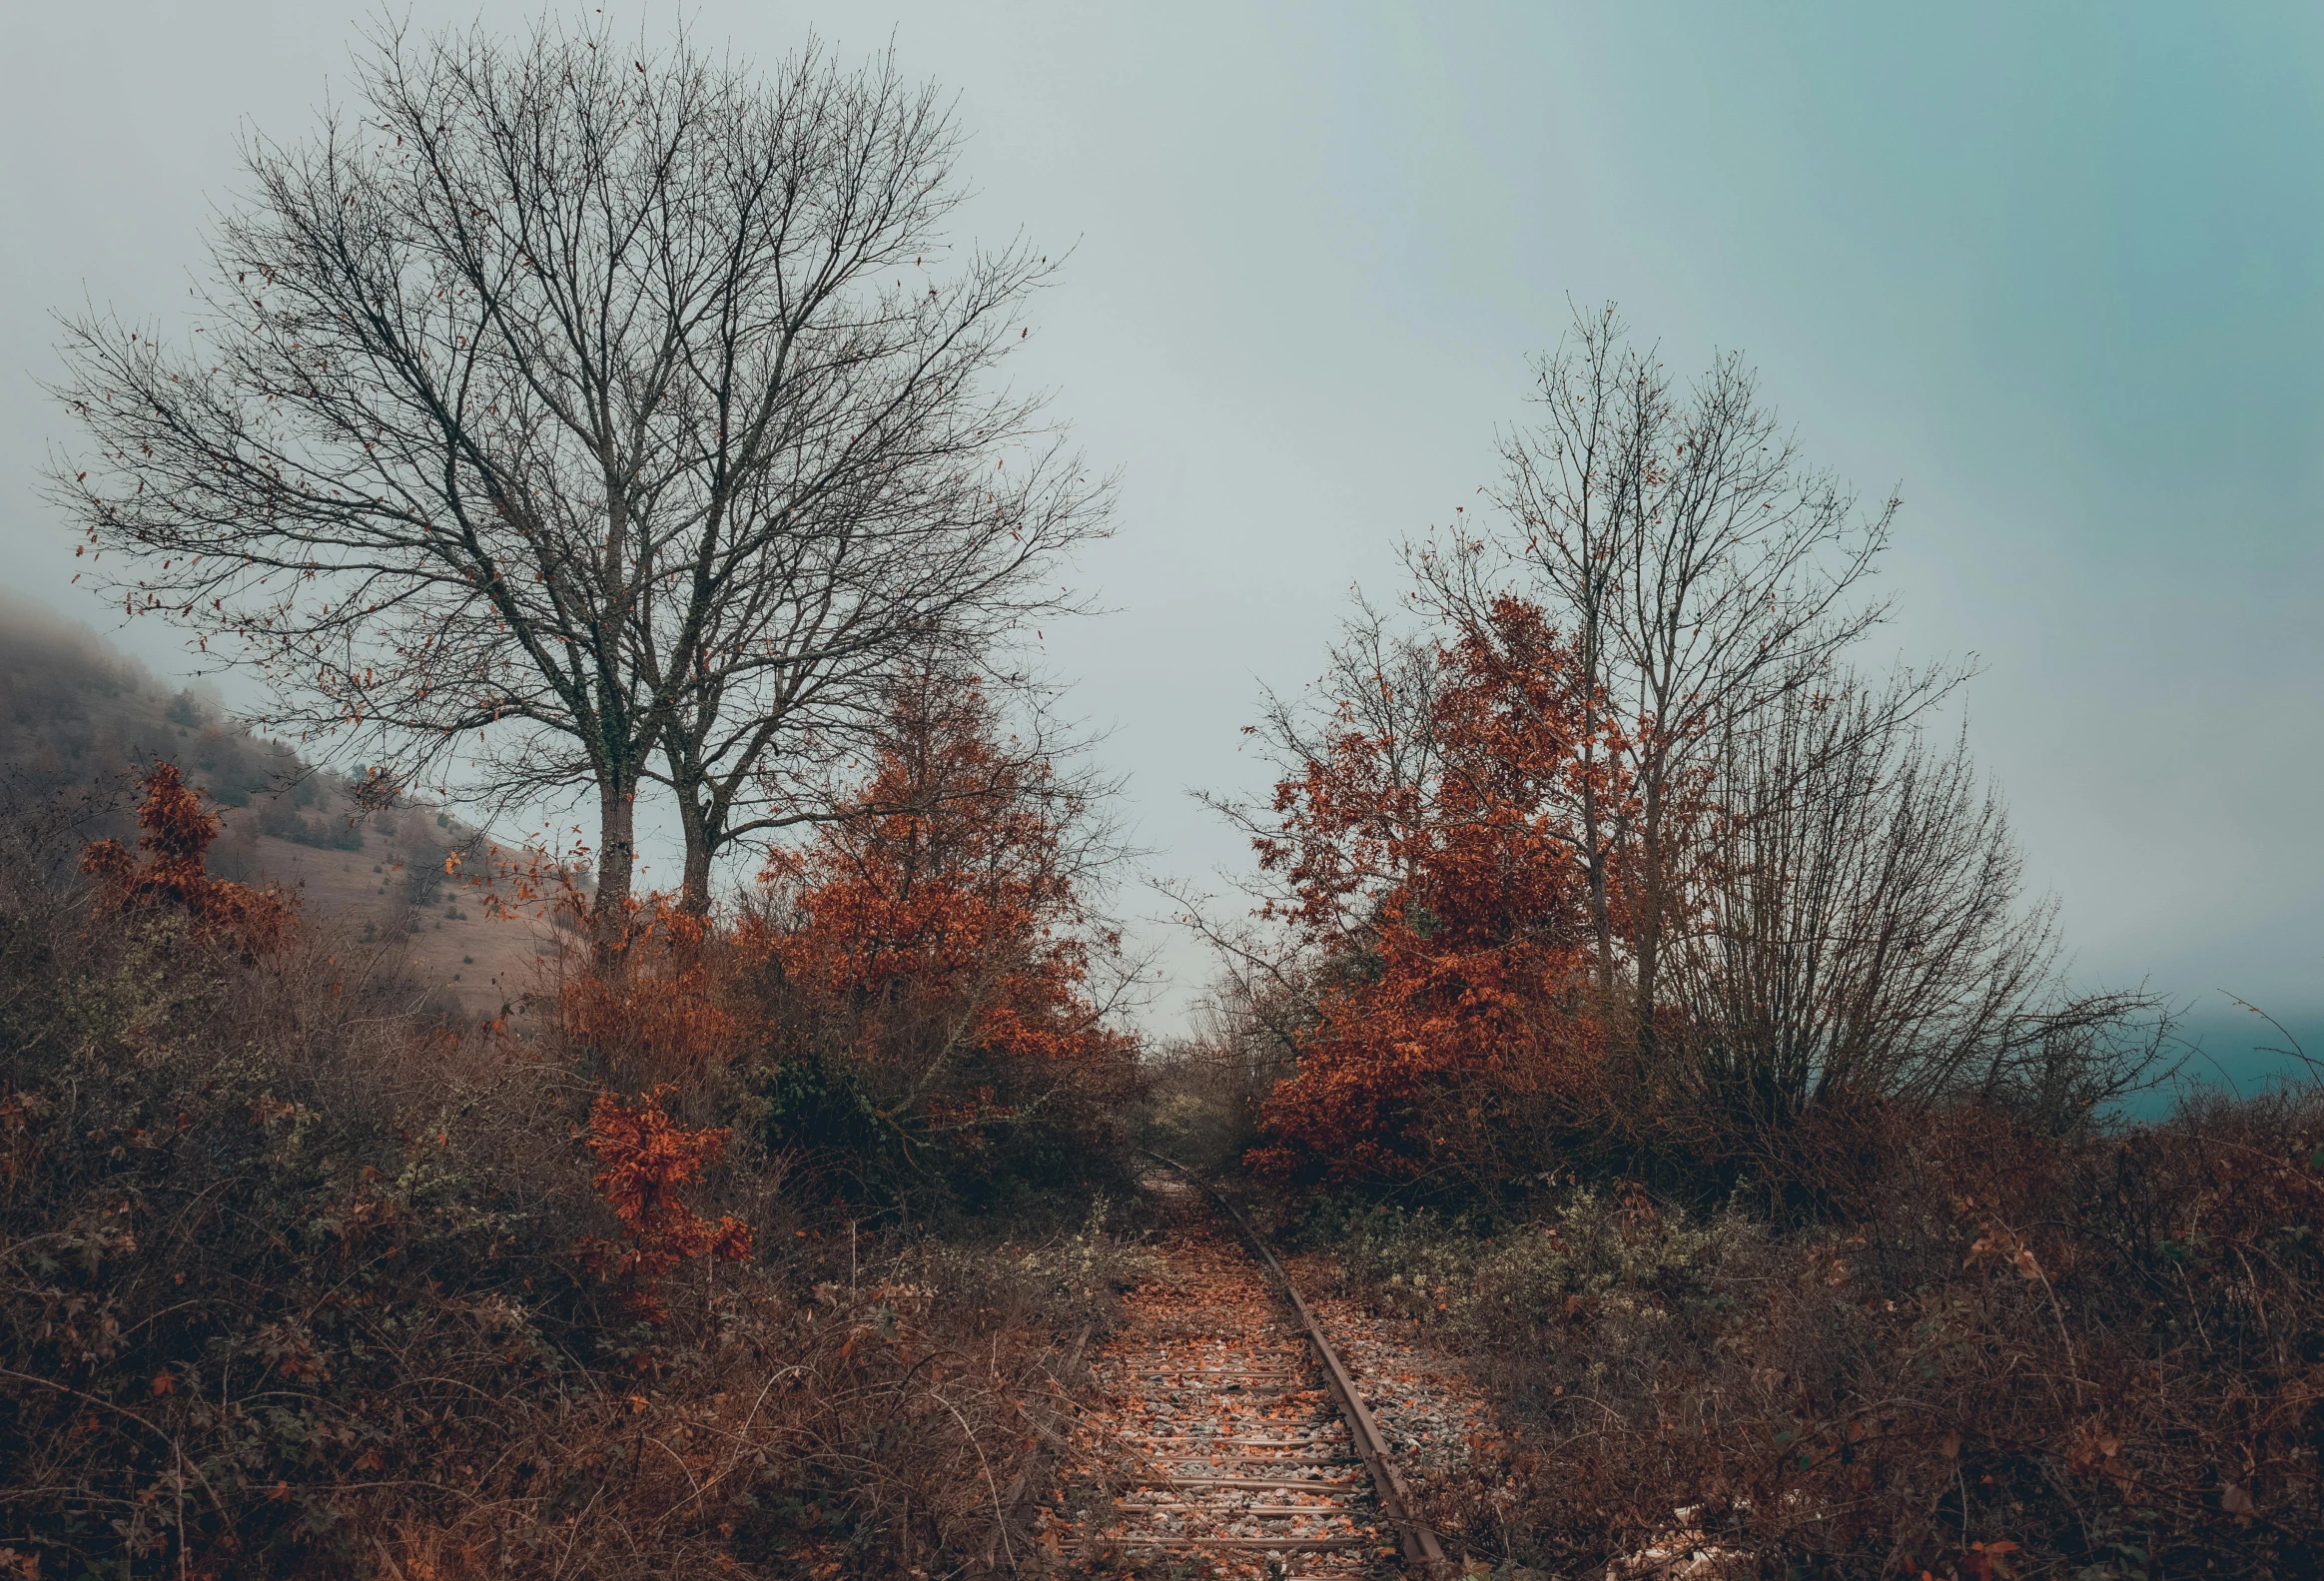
[694, 896]
[1647, 924]
[616, 865]
[1601, 912]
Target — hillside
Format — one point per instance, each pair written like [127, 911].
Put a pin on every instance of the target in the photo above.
[77, 721]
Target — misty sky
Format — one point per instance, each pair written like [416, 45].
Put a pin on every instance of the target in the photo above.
[2057, 273]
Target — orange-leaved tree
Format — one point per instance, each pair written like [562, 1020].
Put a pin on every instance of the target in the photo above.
[643, 1158]
[1429, 859]
[940, 945]
[173, 874]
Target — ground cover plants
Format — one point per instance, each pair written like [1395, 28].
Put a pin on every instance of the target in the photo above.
[296, 1281]
[2022, 1356]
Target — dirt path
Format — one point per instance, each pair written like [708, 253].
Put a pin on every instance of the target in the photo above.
[1214, 1447]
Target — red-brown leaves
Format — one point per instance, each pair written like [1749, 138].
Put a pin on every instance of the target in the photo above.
[666, 1016]
[643, 1158]
[177, 836]
[1439, 878]
[950, 894]
[938, 960]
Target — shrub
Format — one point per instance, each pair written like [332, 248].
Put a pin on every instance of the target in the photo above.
[643, 1160]
[2089, 1357]
[295, 1283]
[932, 978]
[1424, 850]
[173, 876]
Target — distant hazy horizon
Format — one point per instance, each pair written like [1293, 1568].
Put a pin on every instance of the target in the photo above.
[2058, 275]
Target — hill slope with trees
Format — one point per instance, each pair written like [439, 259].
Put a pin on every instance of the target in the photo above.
[79, 724]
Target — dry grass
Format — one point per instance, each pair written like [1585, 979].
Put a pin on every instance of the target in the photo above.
[288, 1288]
[2096, 1357]
[458, 951]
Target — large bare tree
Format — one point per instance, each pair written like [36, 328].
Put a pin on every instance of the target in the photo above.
[569, 416]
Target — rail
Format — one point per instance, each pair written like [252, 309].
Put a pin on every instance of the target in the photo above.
[1419, 1540]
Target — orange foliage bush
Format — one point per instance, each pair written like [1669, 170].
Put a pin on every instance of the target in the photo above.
[1448, 907]
[911, 997]
[952, 885]
[665, 1016]
[937, 947]
[643, 1158]
[177, 835]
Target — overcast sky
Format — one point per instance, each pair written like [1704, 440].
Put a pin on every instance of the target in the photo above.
[2057, 273]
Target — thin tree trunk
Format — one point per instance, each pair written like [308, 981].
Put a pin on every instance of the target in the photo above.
[1646, 926]
[1601, 912]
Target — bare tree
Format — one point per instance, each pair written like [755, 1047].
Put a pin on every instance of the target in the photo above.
[1706, 573]
[570, 405]
[1860, 931]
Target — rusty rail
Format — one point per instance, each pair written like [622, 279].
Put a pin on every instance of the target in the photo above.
[1419, 1541]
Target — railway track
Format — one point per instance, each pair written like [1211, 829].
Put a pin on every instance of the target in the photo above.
[1230, 1437]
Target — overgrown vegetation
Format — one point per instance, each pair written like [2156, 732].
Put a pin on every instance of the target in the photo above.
[1646, 1000]
[294, 1283]
[2021, 1355]
[1636, 989]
